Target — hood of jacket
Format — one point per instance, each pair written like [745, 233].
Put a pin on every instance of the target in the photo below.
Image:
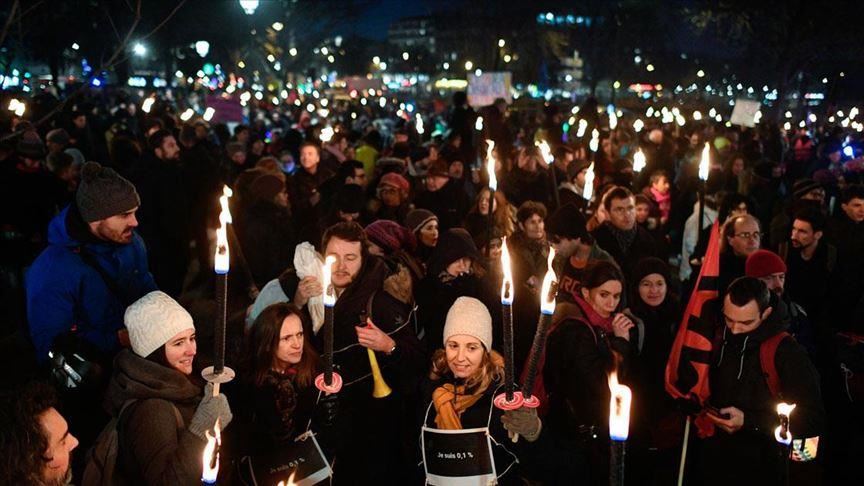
[138, 378]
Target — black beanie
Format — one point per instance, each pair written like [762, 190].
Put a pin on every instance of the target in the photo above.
[454, 244]
[103, 193]
[647, 266]
[568, 222]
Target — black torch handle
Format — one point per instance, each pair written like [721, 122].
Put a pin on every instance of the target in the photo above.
[616, 463]
[221, 323]
[328, 345]
[509, 373]
[536, 351]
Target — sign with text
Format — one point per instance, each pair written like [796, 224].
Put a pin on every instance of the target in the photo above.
[458, 457]
[227, 109]
[484, 89]
[744, 113]
[302, 458]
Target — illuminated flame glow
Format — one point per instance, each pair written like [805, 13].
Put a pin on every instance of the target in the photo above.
[705, 162]
[619, 409]
[638, 161]
[547, 298]
[583, 125]
[147, 104]
[326, 134]
[594, 144]
[490, 165]
[222, 255]
[613, 120]
[638, 125]
[290, 481]
[418, 124]
[210, 458]
[507, 270]
[545, 151]
[782, 433]
[327, 272]
[588, 190]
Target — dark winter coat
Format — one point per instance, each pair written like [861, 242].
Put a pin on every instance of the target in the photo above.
[643, 245]
[63, 291]
[521, 185]
[848, 286]
[268, 238]
[450, 204]
[737, 380]
[152, 449]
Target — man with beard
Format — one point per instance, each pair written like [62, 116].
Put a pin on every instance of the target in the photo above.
[36, 445]
[810, 261]
[164, 216]
[372, 433]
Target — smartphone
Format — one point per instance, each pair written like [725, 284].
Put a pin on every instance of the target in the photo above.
[716, 412]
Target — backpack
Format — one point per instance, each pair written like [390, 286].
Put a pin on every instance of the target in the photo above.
[101, 468]
[767, 353]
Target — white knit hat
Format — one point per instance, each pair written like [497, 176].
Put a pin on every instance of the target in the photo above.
[153, 320]
[470, 317]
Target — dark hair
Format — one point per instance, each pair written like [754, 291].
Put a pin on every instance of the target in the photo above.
[23, 442]
[729, 226]
[656, 175]
[617, 192]
[347, 231]
[743, 290]
[855, 191]
[263, 342]
[599, 272]
[241, 128]
[812, 215]
[158, 138]
[730, 201]
[401, 150]
[348, 168]
[561, 151]
[529, 209]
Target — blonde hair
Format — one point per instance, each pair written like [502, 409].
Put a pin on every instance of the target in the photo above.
[491, 369]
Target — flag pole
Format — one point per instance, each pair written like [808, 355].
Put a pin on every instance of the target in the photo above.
[684, 452]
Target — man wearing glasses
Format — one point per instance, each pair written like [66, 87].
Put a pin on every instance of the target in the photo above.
[742, 236]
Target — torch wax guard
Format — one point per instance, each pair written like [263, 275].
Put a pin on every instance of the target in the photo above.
[211, 376]
[531, 402]
[329, 389]
[501, 402]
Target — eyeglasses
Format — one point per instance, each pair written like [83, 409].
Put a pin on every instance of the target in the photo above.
[747, 235]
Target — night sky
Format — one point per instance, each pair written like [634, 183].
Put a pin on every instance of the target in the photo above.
[378, 18]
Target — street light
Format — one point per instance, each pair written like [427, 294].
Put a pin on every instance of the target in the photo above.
[202, 48]
[139, 50]
[468, 65]
[249, 6]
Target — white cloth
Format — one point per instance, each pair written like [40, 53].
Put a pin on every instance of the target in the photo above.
[307, 263]
[271, 294]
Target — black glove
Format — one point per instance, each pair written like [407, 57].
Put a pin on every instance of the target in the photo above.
[327, 409]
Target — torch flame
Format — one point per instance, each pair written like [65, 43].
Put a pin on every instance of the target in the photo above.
[507, 282]
[583, 125]
[490, 165]
[619, 409]
[547, 298]
[638, 161]
[705, 162]
[782, 433]
[545, 151]
[588, 190]
[638, 125]
[290, 480]
[594, 144]
[327, 272]
[210, 458]
[613, 120]
[222, 255]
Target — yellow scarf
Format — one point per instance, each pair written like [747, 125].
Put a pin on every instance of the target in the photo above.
[450, 401]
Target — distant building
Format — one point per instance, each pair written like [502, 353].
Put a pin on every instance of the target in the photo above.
[413, 34]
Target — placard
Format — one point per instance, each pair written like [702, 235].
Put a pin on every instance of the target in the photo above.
[303, 458]
[458, 457]
[744, 113]
[484, 89]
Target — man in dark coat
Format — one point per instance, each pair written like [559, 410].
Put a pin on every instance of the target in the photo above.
[620, 236]
[372, 432]
[741, 236]
[164, 214]
[745, 436]
[846, 232]
[443, 196]
[810, 261]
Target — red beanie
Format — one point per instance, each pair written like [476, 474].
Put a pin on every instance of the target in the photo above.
[763, 263]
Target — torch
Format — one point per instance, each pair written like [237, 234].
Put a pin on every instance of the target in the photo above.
[549, 158]
[704, 164]
[638, 161]
[219, 373]
[493, 185]
[783, 436]
[547, 308]
[210, 458]
[594, 144]
[329, 381]
[588, 190]
[619, 427]
[510, 399]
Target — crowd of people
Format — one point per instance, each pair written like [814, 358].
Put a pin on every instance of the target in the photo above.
[109, 220]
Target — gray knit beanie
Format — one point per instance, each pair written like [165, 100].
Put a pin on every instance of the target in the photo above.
[103, 193]
[470, 317]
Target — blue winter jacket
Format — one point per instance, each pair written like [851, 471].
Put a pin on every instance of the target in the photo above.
[64, 292]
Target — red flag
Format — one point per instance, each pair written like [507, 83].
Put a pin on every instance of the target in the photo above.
[690, 358]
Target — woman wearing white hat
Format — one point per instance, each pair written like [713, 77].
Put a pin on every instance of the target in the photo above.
[162, 415]
[466, 375]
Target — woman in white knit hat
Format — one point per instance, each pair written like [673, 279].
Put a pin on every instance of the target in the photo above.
[466, 375]
[162, 415]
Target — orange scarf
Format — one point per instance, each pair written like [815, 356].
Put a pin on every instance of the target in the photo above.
[450, 401]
